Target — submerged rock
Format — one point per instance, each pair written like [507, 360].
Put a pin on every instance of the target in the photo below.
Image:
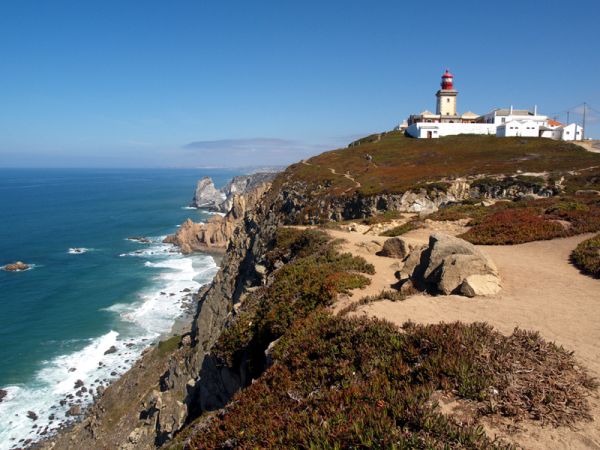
[31, 415]
[112, 349]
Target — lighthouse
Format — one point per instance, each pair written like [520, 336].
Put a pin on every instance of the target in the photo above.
[446, 97]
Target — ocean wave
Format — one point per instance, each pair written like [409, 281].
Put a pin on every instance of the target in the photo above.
[56, 387]
[78, 250]
[62, 383]
[188, 207]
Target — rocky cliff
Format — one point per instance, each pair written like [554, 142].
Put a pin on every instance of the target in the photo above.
[221, 200]
[216, 233]
[179, 379]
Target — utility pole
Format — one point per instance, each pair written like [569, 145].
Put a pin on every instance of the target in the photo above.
[582, 131]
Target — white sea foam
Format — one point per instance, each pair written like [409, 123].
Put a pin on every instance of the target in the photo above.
[79, 250]
[55, 381]
[173, 278]
[188, 207]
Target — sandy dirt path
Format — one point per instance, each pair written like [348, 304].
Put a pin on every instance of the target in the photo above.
[541, 291]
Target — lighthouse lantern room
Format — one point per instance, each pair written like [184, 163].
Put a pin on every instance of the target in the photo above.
[446, 97]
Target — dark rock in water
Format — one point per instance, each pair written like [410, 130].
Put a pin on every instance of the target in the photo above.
[112, 349]
[141, 240]
[51, 417]
[63, 402]
[18, 266]
[187, 290]
[74, 410]
[32, 415]
[113, 374]
[78, 384]
[72, 369]
[83, 389]
[2, 394]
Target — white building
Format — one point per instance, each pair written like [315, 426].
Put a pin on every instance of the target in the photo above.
[525, 128]
[499, 122]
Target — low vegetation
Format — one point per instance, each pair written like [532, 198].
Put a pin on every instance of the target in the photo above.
[399, 163]
[587, 256]
[401, 229]
[338, 382]
[313, 276]
[522, 221]
[394, 296]
[359, 383]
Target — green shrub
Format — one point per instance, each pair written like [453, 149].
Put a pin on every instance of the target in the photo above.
[313, 278]
[586, 256]
[393, 296]
[169, 345]
[401, 229]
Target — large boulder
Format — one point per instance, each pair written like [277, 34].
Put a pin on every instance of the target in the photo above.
[450, 265]
[395, 248]
[475, 285]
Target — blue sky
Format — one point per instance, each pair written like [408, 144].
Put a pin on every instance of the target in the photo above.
[228, 83]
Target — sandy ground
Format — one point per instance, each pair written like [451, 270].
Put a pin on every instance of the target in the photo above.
[590, 146]
[541, 291]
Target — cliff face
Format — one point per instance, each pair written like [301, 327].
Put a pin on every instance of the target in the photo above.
[174, 383]
[216, 233]
[303, 205]
[208, 196]
[166, 389]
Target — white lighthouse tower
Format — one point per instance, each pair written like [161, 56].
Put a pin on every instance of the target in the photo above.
[446, 98]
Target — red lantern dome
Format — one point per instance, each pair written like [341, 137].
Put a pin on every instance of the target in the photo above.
[447, 80]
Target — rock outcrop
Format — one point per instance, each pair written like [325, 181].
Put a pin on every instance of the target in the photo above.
[221, 200]
[301, 207]
[18, 266]
[216, 233]
[395, 248]
[449, 265]
[207, 195]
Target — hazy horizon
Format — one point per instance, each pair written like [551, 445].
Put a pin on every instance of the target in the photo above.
[130, 85]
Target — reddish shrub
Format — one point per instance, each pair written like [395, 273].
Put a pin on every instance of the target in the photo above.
[514, 226]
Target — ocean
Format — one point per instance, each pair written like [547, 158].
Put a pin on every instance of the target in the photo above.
[87, 315]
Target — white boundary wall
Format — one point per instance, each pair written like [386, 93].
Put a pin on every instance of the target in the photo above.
[437, 129]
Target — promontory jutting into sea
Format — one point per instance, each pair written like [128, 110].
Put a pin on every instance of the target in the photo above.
[224, 225]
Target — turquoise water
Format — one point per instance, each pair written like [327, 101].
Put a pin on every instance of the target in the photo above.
[58, 319]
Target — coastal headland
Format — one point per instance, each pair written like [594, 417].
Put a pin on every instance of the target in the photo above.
[396, 292]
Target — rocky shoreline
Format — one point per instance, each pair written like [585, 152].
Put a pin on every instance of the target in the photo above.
[241, 195]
